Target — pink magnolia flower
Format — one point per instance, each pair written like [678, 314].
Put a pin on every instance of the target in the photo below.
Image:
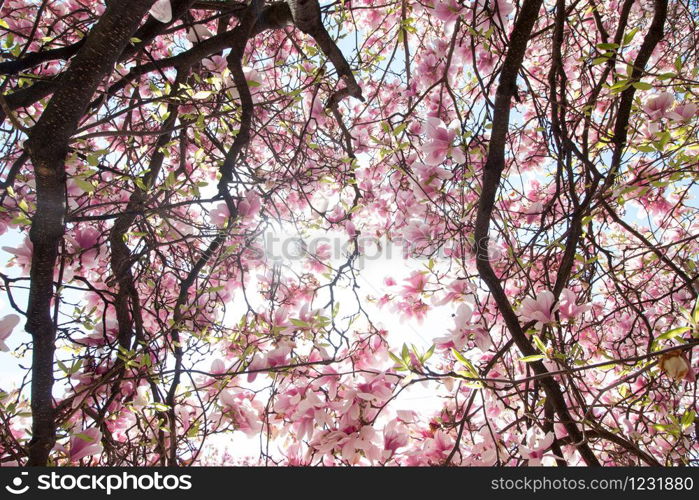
[482, 339]
[7, 325]
[351, 229]
[456, 290]
[533, 212]
[568, 308]
[307, 413]
[319, 256]
[86, 237]
[23, 254]
[395, 436]
[458, 336]
[649, 130]
[253, 78]
[447, 11]
[416, 284]
[683, 112]
[417, 236]
[275, 357]
[657, 105]
[485, 60]
[250, 205]
[541, 309]
[219, 215]
[439, 147]
[336, 215]
[439, 446]
[104, 331]
[162, 11]
[218, 366]
[85, 443]
[215, 63]
[320, 203]
[241, 411]
[535, 446]
[358, 444]
[429, 178]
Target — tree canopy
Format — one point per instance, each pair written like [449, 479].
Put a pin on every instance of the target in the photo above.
[438, 232]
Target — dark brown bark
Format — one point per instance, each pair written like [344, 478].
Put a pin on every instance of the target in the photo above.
[28, 96]
[145, 33]
[48, 146]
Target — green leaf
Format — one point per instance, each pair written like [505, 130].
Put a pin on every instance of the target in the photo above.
[405, 354]
[460, 357]
[619, 86]
[531, 359]
[84, 185]
[201, 95]
[76, 366]
[642, 85]
[396, 359]
[687, 419]
[400, 128]
[428, 354]
[628, 37]
[464, 361]
[669, 428]
[160, 407]
[170, 180]
[608, 46]
[93, 160]
[474, 384]
[539, 344]
[20, 220]
[599, 60]
[671, 334]
[62, 366]
[85, 437]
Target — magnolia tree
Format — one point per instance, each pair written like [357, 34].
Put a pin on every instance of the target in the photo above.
[376, 233]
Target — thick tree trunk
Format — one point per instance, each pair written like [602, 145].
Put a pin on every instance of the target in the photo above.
[48, 146]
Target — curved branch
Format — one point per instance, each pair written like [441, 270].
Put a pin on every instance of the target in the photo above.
[492, 173]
